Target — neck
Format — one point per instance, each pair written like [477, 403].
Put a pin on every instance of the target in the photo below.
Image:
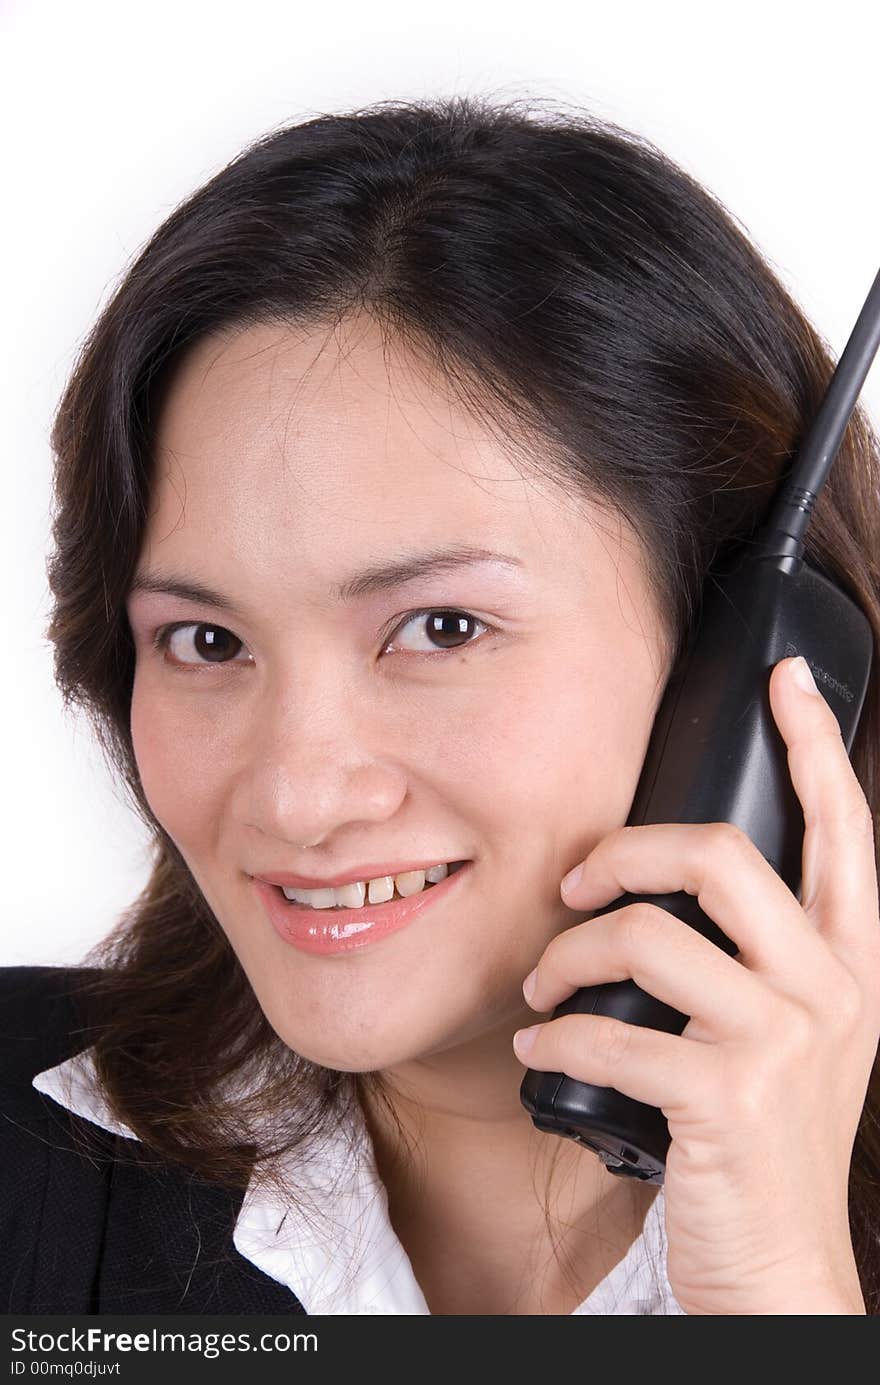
[471, 1182]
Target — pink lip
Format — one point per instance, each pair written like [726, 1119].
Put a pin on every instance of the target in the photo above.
[371, 872]
[326, 932]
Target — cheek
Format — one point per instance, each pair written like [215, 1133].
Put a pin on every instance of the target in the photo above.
[553, 733]
[601, 735]
[181, 781]
[561, 756]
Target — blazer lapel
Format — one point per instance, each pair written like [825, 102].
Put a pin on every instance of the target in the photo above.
[168, 1244]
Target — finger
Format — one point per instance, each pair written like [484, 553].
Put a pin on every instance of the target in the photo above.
[733, 883]
[665, 957]
[839, 889]
[662, 1070]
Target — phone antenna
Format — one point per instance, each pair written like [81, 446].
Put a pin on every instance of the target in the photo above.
[782, 533]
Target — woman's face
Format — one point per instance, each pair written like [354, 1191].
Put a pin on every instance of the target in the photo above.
[286, 465]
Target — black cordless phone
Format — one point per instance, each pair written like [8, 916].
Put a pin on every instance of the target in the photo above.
[716, 754]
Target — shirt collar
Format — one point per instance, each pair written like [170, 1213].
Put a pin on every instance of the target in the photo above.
[337, 1250]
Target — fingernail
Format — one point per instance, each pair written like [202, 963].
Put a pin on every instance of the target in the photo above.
[523, 1039]
[802, 675]
[570, 881]
[529, 984]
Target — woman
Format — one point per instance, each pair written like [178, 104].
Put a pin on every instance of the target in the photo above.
[387, 484]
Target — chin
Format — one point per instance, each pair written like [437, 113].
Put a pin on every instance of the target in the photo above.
[355, 1057]
[338, 1063]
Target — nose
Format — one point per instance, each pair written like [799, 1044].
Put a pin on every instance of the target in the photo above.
[321, 769]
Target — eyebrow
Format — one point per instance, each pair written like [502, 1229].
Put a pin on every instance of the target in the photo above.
[379, 577]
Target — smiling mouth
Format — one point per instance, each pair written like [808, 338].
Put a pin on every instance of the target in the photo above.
[396, 898]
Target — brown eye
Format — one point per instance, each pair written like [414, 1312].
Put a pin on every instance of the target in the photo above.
[442, 630]
[213, 644]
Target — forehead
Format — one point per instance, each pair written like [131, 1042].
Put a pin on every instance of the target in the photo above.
[328, 414]
[274, 442]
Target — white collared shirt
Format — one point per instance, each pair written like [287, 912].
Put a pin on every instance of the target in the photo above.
[348, 1259]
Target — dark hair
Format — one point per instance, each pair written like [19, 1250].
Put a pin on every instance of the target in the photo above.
[575, 287]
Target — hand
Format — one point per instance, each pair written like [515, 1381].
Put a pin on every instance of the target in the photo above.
[764, 1089]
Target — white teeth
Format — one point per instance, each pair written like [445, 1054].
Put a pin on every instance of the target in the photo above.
[353, 895]
[381, 890]
[436, 873]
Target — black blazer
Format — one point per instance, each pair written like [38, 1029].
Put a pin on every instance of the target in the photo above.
[93, 1234]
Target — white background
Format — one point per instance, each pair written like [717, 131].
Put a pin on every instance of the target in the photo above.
[113, 112]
